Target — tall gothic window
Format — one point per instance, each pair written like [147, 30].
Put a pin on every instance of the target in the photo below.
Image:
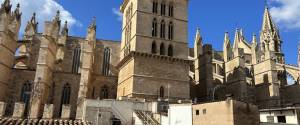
[161, 92]
[170, 50]
[162, 49]
[25, 95]
[154, 28]
[66, 93]
[76, 60]
[170, 31]
[171, 10]
[162, 29]
[163, 9]
[106, 62]
[154, 48]
[104, 92]
[154, 7]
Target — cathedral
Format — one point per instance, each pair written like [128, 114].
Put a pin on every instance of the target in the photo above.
[152, 61]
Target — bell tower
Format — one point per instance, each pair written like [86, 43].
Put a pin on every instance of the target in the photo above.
[154, 49]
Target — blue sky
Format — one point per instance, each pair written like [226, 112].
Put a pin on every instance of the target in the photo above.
[214, 17]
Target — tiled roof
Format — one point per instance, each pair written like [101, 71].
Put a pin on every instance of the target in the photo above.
[16, 121]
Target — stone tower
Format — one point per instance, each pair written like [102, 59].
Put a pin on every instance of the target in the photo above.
[270, 39]
[268, 55]
[154, 50]
[10, 22]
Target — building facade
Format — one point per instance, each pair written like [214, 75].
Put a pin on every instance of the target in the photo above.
[52, 71]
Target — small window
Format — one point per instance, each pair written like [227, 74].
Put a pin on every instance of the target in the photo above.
[104, 92]
[162, 29]
[154, 28]
[154, 48]
[163, 9]
[170, 31]
[197, 112]
[161, 92]
[171, 10]
[162, 49]
[154, 7]
[281, 119]
[170, 50]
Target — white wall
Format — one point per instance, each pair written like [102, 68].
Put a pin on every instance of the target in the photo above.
[291, 117]
[180, 114]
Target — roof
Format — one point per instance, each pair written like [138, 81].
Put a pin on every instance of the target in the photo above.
[18, 121]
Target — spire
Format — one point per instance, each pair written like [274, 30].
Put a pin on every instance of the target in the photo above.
[17, 12]
[268, 24]
[226, 47]
[93, 24]
[253, 49]
[198, 44]
[237, 39]
[254, 40]
[198, 38]
[91, 35]
[31, 27]
[6, 6]
[226, 39]
[65, 29]
[33, 19]
[57, 16]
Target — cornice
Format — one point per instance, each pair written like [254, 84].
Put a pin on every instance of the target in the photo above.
[147, 55]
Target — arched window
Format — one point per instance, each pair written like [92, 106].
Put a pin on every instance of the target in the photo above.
[106, 62]
[76, 60]
[153, 49]
[163, 8]
[26, 91]
[25, 95]
[104, 92]
[154, 28]
[171, 10]
[170, 50]
[170, 31]
[162, 29]
[161, 92]
[162, 49]
[66, 93]
[154, 7]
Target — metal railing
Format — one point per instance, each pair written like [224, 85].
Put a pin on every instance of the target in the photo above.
[147, 118]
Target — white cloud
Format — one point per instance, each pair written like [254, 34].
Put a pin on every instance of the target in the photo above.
[286, 13]
[118, 13]
[45, 10]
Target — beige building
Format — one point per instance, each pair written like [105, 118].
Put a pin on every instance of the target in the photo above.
[227, 112]
[51, 74]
